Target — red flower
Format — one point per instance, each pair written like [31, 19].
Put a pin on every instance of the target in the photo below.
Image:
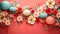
[49, 11]
[19, 9]
[37, 20]
[55, 11]
[32, 11]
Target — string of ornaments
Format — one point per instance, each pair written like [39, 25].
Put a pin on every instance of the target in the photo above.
[48, 14]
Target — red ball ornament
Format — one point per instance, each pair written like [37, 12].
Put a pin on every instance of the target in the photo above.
[49, 11]
[55, 11]
[50, 20]
[19, 9]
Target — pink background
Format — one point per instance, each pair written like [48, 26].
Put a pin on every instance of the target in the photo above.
[24, 28]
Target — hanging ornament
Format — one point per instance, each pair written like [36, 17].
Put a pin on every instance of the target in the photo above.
[50, 20]
[43, 15]
[5, 5]
[31, 19]
[26, 12]
[13, 9]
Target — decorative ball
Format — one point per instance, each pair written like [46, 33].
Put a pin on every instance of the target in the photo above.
[43, 15]
[26, 12]
[13, 9]
[5, 5]
[19, 9]
[50, 20]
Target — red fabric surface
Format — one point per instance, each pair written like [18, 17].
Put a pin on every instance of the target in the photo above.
[24, 28]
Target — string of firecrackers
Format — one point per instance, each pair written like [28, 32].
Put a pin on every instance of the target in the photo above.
[48, 14]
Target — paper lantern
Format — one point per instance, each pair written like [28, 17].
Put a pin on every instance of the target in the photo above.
[13, 9]
[26, 12]
[50, 20]
[5, 5]
[43, 15]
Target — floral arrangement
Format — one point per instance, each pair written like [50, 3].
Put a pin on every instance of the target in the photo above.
[47, 14]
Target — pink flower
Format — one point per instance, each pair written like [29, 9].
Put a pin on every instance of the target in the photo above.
[39, 9]
[58, 15]
[7, 22]
[19, 18]
[36, 14]
[5, 13]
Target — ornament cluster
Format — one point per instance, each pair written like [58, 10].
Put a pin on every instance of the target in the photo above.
[48, 14]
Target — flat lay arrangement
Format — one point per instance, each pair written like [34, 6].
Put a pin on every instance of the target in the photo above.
[47, 14]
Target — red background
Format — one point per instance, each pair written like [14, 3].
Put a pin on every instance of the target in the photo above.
[24, 28]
